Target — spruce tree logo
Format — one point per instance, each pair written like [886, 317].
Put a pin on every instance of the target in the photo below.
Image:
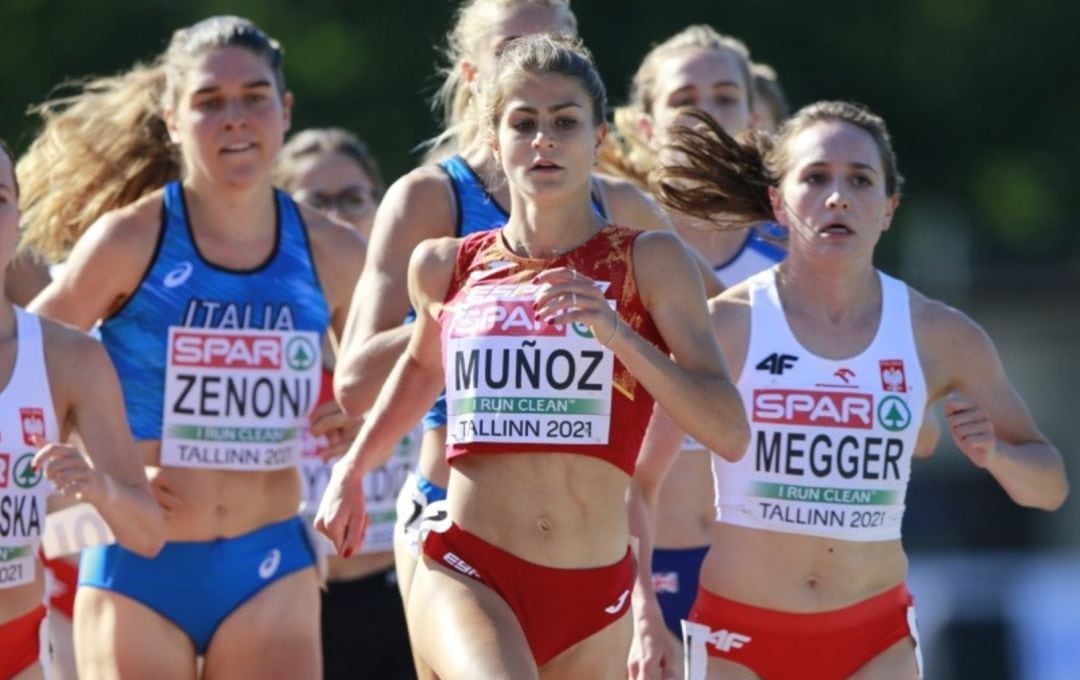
[24, 474]
[300, 354]
[893, 414]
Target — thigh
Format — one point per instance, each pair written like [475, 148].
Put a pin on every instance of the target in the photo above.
[118, 637]
[62, 662]
[721, 669]
[601, 656]
[275, 634]
[897, 662]
[405, 565]
[34, 672]
[464, 630]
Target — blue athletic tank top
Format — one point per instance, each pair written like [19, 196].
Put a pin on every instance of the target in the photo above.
[477, 210]
[181, 289]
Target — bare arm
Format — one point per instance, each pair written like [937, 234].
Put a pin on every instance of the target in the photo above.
[105, 266]
[413, 385]
[87, 393]
[692, 384]
[416, 207]
[987, 419]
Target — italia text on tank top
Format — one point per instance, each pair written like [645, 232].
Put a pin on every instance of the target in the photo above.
[222, 365]
[831, 440]
[515, 383]
[26, 412]
[477, 211]
[756, 255]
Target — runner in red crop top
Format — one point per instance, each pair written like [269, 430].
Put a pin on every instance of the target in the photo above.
[554, 336]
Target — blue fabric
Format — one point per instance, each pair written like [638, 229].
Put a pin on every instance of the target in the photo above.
[196, 585]
[180, 288]
[675, 579]
[432, 491]
[477, 211]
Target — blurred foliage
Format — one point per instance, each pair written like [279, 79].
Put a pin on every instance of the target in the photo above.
[978, 93]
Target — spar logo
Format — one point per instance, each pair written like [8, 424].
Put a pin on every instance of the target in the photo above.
[33, 425]
[227, 351]
[816, 408]
[505, 317]
[893, 413]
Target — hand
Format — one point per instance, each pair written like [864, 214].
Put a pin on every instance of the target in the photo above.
[328, 420]
[971, 429]
[572, 297]
[342, 516]
[655, 654]
[71, 473]
[169, 500]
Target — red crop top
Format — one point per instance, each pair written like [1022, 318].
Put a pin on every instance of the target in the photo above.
[515, 383]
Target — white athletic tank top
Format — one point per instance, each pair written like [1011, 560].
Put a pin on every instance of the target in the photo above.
[831, 440]
[26, 411]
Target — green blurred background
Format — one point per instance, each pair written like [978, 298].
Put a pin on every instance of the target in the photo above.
[982, 102]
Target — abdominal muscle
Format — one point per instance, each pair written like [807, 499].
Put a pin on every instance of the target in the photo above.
[796, 573]
[214, 504]
[559, 510]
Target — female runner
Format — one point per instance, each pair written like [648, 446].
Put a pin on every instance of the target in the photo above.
[213, 294]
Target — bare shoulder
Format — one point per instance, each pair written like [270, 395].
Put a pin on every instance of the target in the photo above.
[130, 230]
[731, 309]
[431, 267]
[629, 205]
[331, 239]
[421, 202]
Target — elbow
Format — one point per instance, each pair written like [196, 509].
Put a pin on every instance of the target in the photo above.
[735, 437]
[1057, 499]
[150, 540]
[348, 394]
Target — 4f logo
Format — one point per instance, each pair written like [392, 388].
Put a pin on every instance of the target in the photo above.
[726, 641]
[776, 363]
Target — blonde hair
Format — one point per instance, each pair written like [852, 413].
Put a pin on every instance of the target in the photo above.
[319, 141]
[629, 155]
[105, 145]
[454, 97]
[721, 176]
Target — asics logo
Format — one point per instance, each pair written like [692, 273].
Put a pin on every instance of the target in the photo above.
[615, 608]
[179, 275]
[269, 566]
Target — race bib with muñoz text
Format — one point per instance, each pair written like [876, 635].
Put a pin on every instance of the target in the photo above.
[238, 399]
[515, 379]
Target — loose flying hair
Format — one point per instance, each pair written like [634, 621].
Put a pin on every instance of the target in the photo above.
[319, 141]
[767, 88]
[720, 177]
[542, 54]
[103, 142]
[628, 154]
[454, 97]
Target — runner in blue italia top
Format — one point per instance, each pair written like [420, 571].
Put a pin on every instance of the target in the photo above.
[214, 294]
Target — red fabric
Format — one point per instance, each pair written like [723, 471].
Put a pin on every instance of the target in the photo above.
[20, 642]
[65, 581]
[607, 256]
[783, 645]
[555, 607]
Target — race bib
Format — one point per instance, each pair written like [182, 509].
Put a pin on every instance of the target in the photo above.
[70, 530]
[23, 492]
[515, 379]
[238, 399]
[381, 487]
[17, 565]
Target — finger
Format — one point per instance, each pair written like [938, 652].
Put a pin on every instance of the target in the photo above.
[334, 451]
[559, 275]
[49, 452]
[957, 404]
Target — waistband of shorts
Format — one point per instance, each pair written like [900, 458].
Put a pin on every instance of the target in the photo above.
[856, 614]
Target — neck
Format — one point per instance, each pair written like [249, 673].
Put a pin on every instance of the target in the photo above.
[231, 214]
[716, 244]
[836, 292]
[547, 231]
